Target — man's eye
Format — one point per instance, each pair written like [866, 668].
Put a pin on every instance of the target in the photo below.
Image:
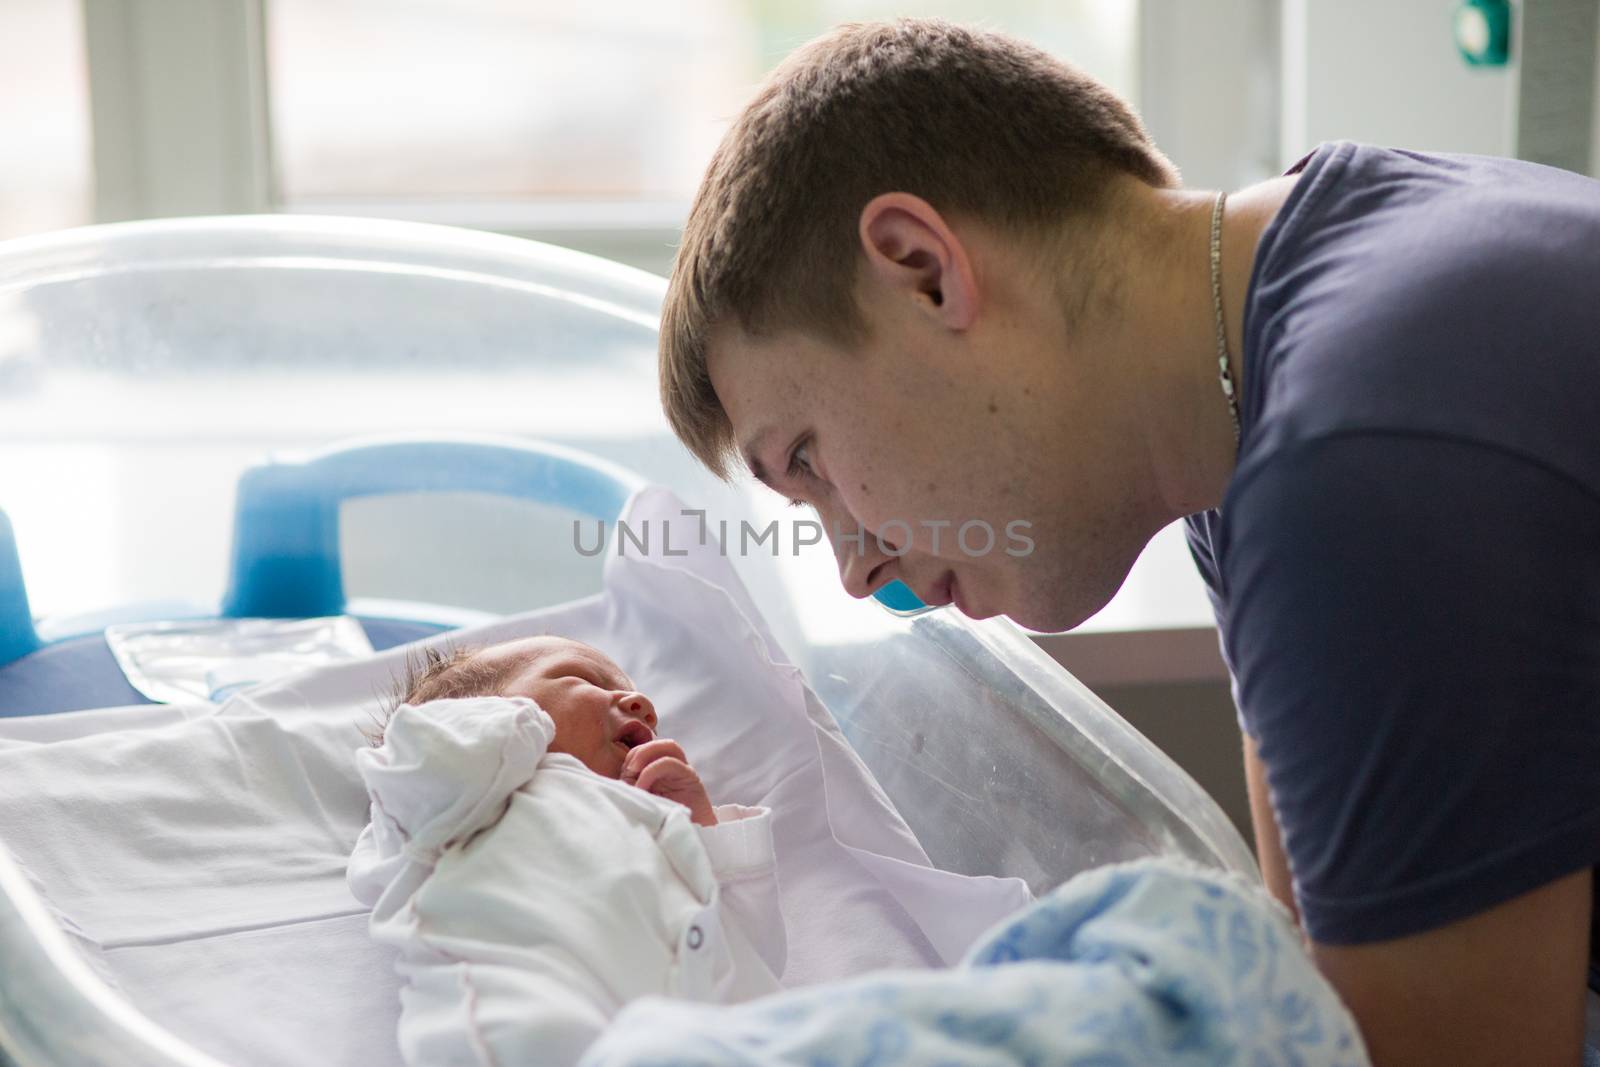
[800, 460]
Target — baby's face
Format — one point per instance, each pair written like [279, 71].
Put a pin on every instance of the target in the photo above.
[598, 715]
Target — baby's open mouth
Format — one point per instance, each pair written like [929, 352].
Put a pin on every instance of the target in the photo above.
[634, 734]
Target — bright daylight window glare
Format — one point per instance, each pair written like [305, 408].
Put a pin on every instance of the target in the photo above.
[613, 104]
[45, 181]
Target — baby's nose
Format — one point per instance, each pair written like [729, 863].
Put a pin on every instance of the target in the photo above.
[638, 705]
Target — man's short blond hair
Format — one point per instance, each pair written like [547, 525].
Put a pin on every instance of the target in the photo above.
[978, 124]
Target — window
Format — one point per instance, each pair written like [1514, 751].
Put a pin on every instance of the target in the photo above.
[373, 99]
[582, 124]
[44, 125]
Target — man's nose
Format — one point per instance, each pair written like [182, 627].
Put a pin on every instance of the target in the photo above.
[861, 561]
[638, 705]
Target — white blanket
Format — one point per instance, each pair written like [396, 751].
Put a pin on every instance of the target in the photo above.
[531, 899]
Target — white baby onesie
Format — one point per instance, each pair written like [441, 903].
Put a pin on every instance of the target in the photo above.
[531, 899]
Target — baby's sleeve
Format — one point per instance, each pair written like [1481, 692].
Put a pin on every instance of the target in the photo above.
[444, 772]
[745, 863]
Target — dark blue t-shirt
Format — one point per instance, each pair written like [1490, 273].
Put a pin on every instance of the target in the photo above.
[1406, 564]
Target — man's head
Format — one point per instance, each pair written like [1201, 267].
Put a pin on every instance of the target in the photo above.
[598, 715]
[876, 304]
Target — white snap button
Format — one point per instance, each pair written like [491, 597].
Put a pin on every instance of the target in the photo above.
[696, 937]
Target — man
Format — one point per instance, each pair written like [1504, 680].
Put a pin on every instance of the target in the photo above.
[934, 276]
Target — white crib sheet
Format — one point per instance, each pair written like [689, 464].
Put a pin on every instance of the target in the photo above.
[200, 856]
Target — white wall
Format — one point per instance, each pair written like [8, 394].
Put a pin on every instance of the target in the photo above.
[1387, 72]
[1208, 87]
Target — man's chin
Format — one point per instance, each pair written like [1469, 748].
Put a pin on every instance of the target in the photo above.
[1047, 618]
[1038, 613]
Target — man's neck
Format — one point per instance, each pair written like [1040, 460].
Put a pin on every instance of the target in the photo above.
[1167, 326]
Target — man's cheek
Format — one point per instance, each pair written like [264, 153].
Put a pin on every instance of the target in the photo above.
[912, 521]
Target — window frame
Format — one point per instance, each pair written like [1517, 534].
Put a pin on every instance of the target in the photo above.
[178, 108]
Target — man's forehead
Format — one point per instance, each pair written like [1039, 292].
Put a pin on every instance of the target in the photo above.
[747, 370]
[763, 384]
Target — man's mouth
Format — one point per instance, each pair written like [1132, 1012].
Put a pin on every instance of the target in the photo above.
[635, 733]
[940, 594]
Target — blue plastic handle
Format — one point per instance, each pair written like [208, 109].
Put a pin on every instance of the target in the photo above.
[286, 526]
[17, 635]
[286, 530]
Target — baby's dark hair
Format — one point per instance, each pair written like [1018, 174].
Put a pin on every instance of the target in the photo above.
[440, 674]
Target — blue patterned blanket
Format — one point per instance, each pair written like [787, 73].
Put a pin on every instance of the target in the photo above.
[1135, 965]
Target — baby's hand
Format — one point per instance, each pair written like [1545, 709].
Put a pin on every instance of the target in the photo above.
[659, 767]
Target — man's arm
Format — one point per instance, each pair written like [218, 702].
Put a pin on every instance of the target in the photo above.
[1505, 986]
[1269, 844]
[1414, 633]
[1461, 994]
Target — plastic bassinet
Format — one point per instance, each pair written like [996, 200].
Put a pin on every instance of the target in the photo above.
[145, 371]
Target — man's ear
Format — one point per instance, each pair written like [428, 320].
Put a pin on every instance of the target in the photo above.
[911, 249]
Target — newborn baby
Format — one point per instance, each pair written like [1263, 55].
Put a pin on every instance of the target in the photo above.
[598, 717]
[540, 858]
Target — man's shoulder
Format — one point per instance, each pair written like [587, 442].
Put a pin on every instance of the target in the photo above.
[1387, 206]
[1430, 255]
[1323, 464]
[1488, 346]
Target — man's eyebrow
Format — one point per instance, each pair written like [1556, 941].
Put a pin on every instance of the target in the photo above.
[751, 460]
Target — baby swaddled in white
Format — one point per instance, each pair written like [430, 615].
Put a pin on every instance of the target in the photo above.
[540, 859]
